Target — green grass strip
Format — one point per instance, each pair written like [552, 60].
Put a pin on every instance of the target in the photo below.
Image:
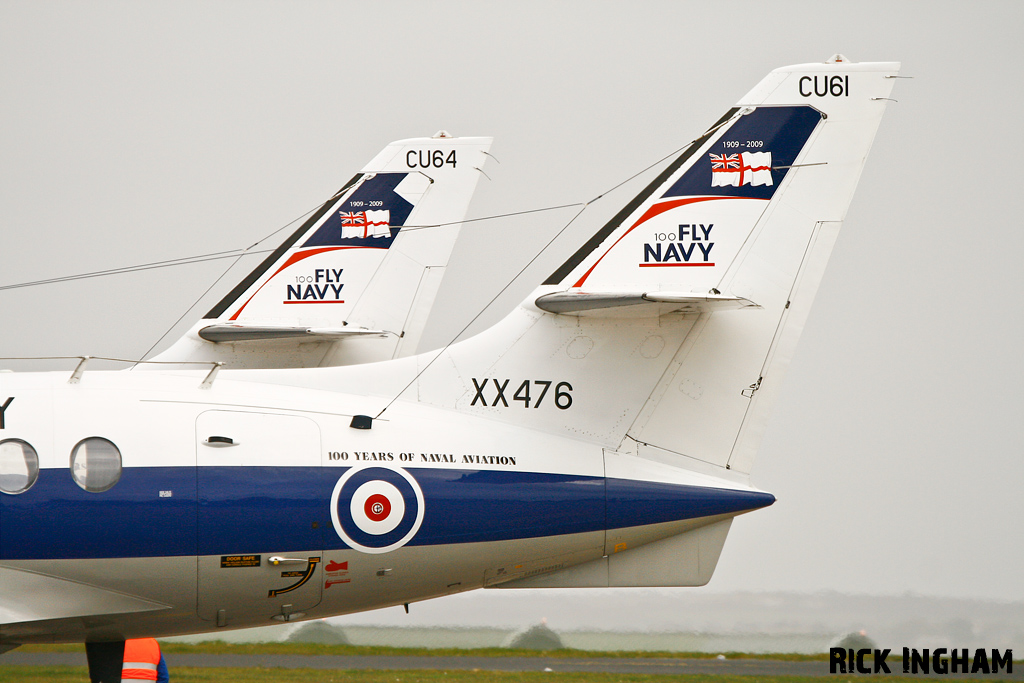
[217, 647]
[77, 674]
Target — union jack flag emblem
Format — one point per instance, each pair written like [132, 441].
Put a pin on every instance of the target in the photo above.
[745, 168]
[365, 223]
[725, 162]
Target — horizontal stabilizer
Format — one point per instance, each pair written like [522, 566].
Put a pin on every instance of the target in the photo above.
[223, 334]
[637, 304]
[34, 597]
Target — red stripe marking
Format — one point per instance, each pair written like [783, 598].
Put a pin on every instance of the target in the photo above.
[294, 258]
[653, 211]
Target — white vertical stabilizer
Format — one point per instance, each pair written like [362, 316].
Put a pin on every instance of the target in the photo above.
[658, 347]
[356, 281]
[689, 302]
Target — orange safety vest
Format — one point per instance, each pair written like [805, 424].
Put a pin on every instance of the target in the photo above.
[141, 657]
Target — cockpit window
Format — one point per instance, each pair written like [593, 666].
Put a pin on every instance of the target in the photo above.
[96, 464]
[19, 466]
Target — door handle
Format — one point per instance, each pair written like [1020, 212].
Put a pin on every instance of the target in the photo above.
[276, 560]
[220, 441]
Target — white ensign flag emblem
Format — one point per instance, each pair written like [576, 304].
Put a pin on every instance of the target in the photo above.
[365, 223]
[743, 168]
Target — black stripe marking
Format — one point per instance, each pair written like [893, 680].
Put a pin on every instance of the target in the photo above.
[240, 289]
[602, 234]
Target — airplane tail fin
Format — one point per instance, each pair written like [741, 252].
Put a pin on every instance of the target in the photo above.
[665, 336]
[660, 344]
[356, 281]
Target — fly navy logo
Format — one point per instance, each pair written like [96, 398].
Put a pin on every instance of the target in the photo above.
[377, 509]
[322, 287]
[303, 578]
[690, 246]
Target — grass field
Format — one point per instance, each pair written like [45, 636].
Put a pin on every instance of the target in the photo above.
[219, 647]
[71, 674]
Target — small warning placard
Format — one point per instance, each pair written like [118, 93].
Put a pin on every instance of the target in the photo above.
[231, 561]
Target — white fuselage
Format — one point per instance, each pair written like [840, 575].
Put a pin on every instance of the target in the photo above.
[189, 535]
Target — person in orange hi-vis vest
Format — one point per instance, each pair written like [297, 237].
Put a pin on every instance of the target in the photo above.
[143, 661]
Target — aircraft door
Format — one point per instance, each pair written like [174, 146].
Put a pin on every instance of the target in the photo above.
[261, 516]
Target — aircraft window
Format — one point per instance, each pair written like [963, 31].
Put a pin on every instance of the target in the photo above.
[19, 466]
[96, 464]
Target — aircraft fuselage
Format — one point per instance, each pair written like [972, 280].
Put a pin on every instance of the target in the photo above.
[246, 503]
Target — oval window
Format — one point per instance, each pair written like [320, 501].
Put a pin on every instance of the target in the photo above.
[95, 464]
[19, 466]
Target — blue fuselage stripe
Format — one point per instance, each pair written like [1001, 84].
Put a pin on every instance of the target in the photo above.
[174, 511]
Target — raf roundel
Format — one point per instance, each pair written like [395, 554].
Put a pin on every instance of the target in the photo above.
[377, 509]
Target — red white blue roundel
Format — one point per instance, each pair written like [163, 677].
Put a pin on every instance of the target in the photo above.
[377, 509]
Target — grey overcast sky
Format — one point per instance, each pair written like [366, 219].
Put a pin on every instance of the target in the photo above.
[137, 132]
